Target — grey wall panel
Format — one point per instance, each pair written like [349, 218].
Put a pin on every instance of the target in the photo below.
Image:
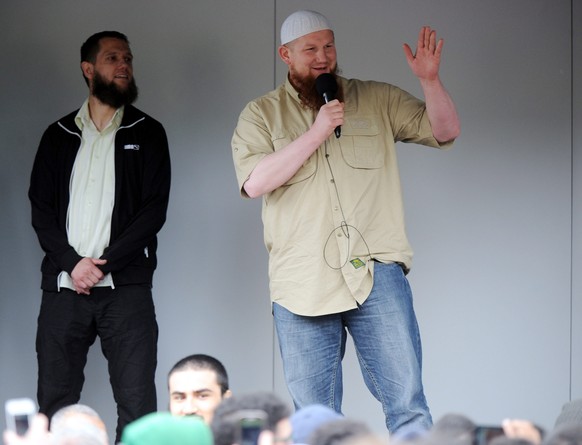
[576, 391]
[490, 220]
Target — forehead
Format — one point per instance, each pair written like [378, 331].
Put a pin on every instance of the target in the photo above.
[111, 44]
[315, 38]
[193, 380]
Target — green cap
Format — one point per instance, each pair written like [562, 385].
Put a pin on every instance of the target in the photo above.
[165, 429]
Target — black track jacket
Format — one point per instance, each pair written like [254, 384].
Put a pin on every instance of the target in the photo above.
[142, 188]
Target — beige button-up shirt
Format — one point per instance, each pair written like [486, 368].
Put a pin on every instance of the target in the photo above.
[343, 208]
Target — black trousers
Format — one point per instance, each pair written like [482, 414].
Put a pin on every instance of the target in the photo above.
[68, 324]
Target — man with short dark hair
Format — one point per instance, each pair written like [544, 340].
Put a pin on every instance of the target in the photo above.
[99, 192]
[197, 384]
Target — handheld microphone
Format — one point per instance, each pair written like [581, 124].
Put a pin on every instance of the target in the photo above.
[326, 85]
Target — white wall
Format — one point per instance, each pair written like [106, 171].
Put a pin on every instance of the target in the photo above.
[494, 222]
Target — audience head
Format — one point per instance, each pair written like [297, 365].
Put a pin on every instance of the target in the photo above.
[227, 418]
[571, 413]
[77, 425]
[307, 419]
[453, 428]
[197, 384]
[162, 428]
[566, 433]
[340, 432]
[456, 429]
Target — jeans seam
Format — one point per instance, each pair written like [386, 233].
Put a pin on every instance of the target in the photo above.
[337, 363]
[376, 387]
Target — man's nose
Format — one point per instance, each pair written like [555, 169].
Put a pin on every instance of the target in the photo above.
[321, 55]
[124, 63]
[190, 407]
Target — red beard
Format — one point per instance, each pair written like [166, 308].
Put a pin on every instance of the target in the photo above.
[308, 94]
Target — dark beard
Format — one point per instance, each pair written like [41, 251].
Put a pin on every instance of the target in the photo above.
[110, 94]
[308, 94]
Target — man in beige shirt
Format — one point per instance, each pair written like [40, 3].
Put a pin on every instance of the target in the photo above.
[333, 216]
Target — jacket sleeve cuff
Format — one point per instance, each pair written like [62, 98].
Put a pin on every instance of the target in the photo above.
[69, 260]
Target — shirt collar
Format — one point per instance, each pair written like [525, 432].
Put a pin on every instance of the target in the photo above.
[83, 118]
[291, 90]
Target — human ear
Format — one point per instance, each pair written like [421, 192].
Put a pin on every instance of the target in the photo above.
[284, 54]
[87, 69]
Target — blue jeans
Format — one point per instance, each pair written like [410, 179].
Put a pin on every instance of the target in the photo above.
[387, 343]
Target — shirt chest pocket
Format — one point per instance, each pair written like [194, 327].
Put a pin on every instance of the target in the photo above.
[360, 142]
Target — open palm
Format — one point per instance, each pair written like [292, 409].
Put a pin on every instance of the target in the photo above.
[425, 62]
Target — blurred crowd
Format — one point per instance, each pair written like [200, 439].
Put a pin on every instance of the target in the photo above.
[204, 411]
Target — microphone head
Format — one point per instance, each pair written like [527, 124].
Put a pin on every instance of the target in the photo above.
[326, 84]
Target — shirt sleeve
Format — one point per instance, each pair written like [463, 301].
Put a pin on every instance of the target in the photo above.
[409, 119]
[251, 142]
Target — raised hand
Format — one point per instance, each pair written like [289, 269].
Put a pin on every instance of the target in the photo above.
[425, 62]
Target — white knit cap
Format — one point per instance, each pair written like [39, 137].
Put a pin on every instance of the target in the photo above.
[301, 23]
